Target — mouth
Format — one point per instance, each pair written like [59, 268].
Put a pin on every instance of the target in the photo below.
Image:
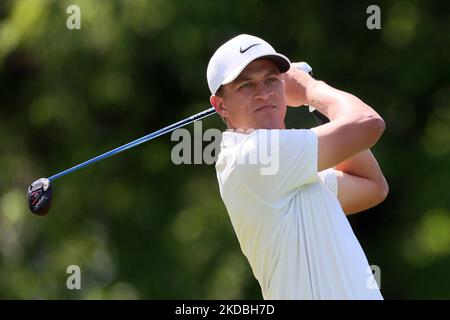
[266, 107]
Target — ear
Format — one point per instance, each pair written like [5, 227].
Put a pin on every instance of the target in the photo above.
[218, 104]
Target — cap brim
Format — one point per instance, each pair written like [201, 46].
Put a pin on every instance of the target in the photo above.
[280, 60]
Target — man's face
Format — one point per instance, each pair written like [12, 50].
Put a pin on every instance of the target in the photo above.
[255, 99]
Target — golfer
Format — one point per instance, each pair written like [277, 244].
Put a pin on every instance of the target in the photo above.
[289, 214]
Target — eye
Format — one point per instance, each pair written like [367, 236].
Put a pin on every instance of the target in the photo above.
[272, 79]
[246, 85]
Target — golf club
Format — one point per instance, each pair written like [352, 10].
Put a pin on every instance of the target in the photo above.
[40, 191]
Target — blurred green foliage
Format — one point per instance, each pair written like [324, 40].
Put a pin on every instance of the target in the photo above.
[141, 227]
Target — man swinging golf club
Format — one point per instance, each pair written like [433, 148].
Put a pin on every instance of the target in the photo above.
[291, 223]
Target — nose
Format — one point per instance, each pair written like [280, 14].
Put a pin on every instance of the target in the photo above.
[263, 92]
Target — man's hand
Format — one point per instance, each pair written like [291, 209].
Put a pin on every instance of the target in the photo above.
[296, 83]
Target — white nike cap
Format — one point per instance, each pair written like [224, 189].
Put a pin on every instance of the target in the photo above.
[234, 55]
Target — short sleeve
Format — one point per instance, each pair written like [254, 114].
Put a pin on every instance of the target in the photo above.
[276, 162]
[329, 178]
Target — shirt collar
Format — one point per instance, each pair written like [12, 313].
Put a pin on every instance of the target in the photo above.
[231, 138]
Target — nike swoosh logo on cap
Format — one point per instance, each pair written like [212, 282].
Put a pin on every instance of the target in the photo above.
[243, 50]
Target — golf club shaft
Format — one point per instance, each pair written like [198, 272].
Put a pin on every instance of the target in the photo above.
[136, 142]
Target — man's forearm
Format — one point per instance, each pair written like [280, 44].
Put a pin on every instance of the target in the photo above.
[335, 103]
[302, 89]
[363, 165]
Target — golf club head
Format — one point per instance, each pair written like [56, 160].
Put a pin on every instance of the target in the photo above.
[40, 196]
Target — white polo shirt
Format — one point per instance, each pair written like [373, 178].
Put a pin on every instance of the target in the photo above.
[287, 218]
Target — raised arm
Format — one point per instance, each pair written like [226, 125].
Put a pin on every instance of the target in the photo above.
[353, 126]
[344, 142]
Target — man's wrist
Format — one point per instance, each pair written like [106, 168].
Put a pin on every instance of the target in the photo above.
[313, 91]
